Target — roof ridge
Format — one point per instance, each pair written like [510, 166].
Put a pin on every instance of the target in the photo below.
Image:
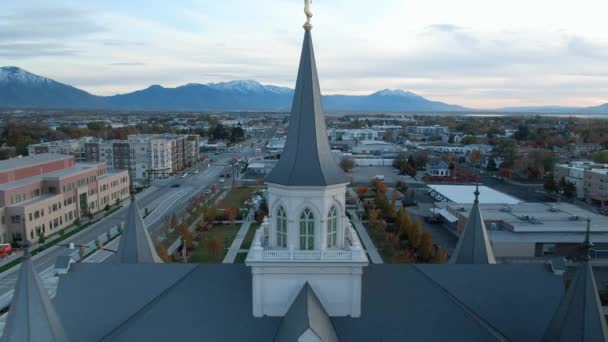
[147, 305]
[482, 322]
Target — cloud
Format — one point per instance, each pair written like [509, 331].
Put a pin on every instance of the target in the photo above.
[38, 32]
[127, 64]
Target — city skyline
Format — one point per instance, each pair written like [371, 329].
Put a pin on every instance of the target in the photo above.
[473, 53]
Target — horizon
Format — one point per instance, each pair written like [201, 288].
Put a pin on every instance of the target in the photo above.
[481, 57]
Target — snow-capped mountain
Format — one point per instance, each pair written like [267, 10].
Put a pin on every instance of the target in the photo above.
[12, 74]
[248, 87]
[19, 88]
[394, 92]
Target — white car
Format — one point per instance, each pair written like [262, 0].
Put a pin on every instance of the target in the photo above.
[184, 175]
[380, 177]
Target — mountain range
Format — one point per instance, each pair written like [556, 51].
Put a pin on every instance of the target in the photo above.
[20, 88]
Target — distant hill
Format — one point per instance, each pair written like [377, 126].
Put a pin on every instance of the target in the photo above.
[19, 88]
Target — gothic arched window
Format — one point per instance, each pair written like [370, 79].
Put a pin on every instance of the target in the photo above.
[281, 228]
[307, 230]
[332, 228]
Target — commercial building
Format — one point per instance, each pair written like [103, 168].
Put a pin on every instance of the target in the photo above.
[74, 147]
[42, 194]
[533, 230]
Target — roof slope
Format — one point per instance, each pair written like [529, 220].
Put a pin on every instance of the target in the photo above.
[474, 244]
[399, 302]
[32, 316]
[135, 244]
[306, 312]
[307, 159]
[579, 316]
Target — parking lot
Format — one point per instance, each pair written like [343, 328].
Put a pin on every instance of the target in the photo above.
[364, 174]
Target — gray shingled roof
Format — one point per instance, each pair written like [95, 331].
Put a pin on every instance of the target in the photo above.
[136, 246]
[399, 302]
[306, 312]
[580, 316]
[32, 316]
[474, 245]
[307, 159]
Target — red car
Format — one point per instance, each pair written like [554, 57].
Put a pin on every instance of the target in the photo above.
[5, 249]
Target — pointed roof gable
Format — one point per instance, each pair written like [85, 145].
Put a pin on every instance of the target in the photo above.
[135, 244]
[474, 244]
[579, 316]
[32, 316]
[306, 315]
[307, 159]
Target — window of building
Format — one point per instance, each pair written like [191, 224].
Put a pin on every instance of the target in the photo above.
[307, 230]
[281, 228]
[332, 228]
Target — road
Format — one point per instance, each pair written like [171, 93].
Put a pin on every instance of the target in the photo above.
[162, 199]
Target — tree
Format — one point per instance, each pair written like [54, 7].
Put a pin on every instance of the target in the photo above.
[426, 248]
[400, 161]
[347, 164]
[380, 187]
[468, 140]
[219, 132]
[361, 191]
[41, 238]
[214, 246]
[210, 214]
[601, 157]
[569, 189]
[163, 253]
[415, 234]
[440, 257]
[231, 214]
[475, 156]
[507, 148]
[550, 184]
[523, 132]
[491, 164]
[401, 186]
[237, 134]
[421, 158]
[187, 236]
[372, 215]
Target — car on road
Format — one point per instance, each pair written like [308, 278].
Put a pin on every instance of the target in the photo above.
[379, 177]
[196, 172]
[208, 191]
[175, 185]
[222, 180]
[5, 249]
[184, 175]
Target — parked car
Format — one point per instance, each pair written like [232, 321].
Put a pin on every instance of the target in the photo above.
[380, 177]
[5, 249]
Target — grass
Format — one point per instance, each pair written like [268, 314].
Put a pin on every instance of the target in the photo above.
[250, 234]
[236, 197]
[225, 234]
[240, 258]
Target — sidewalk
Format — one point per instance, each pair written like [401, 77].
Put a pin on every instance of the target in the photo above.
[238, 240]
[365, 239]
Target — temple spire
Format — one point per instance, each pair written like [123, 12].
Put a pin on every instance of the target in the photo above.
[474, 245]
[32, 316]
[307, 159]
[135, 244]
[579, 316]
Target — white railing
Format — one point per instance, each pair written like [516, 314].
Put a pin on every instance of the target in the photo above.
[260, 252]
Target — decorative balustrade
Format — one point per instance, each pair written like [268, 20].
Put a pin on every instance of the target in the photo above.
[260, 251]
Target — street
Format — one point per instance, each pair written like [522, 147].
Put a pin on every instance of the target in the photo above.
[162, 199]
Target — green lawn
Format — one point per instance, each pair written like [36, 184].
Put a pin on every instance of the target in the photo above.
[225, 234]
[249, 237]
[236, 197]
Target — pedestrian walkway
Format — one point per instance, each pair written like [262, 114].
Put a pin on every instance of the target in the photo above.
[238, 240]
[365, 239]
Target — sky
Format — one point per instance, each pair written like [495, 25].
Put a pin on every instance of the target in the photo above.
[475, 53]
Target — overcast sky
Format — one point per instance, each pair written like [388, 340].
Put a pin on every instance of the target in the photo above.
[476, 53]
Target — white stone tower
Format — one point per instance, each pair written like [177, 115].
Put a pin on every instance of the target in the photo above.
[307, 237]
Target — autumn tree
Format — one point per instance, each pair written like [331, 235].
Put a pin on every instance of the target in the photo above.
[163, 253]
[210, 214]
[372, 215]
[187, 237]
[214, 246]
[475, 156]
[231, 214]
[440, 257]
[361, 191]
[426, 248]
[415, 234]
[174, 221]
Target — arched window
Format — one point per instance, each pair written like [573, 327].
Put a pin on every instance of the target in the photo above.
[281, 228]
[332, 228]
[307, 230]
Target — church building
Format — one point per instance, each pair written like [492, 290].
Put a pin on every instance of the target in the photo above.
[307, 277]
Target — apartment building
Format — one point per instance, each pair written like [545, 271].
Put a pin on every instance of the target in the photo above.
[427, 130]
[144, 156]
[589, 178]
[74, 147]
[45, 193]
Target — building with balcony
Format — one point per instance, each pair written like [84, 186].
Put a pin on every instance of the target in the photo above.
[590, 180]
